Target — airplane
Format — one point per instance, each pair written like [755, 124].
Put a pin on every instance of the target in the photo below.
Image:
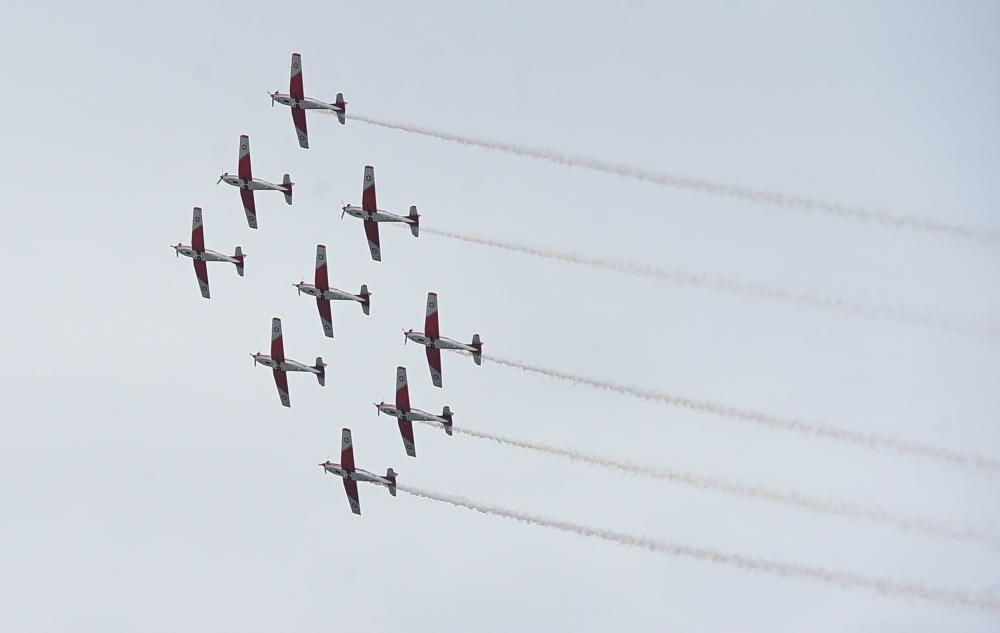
[248, 184]
[431, 339]
[324, 293]
[197, 252]
[352, 475]
[405, 414]
[281, 365]
[297, 100]
[370, 213]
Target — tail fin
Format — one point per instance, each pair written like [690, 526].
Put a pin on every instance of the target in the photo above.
[321, 367]
[239, 257]
[366, 302]
[390, 474]
[342, 115]
[287, 182]
[415, 225]
[477, 355]
[446, 414]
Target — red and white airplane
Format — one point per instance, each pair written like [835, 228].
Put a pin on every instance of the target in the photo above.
[431, 339]
[297, 100]
[405, 414]
[197, 251]
[352, 475]
[324, 293]
[370, 213]
[281, 365]
[248, 184]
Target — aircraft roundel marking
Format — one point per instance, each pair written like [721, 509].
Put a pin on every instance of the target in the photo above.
[368, 178]
[243, 147]
[275, 330]
[321, 257]
[432, 304]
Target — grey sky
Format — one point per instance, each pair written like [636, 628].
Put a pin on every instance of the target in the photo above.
[150, 478]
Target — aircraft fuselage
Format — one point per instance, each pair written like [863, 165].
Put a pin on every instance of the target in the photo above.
[412, 414]
[377, 216]
[255, 184]
[306, 103]
[357, 475]
[204, 256]
[333, 294]
[438, 343]
[287, 365]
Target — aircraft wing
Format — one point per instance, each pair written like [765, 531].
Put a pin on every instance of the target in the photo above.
[197, 231]
[249, 207]
[351, 488]
[322, 280]
[295, 90]
[201, 272]
[402, 390]
[371, 231]
[346, 450]
[434, 362]
[368, 191]
[325, 316]
[299, 121]
[431, 328]
[277, 343]
[406, 430]
[244, 171]
[281, 382]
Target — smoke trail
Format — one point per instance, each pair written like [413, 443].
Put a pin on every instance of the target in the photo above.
[868, 440]
[824, 506]
[802, 203]
[742, 288]
[884, 586]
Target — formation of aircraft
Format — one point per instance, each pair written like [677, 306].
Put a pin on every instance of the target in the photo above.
[325, 294]
[405, 414]
[281, 365]
[351, 474]
[248, 184]
[372, 215]
[321, 290]
[297, 100]
[201, 256]
[431, 339]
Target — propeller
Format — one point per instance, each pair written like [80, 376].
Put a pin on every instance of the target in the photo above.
[255, 359]
[298, 286]
[377, 408]
[343, 209]
[220, 179]
[176, 252]
[272, 97]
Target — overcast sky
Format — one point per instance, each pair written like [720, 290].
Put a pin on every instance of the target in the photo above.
[151, 480]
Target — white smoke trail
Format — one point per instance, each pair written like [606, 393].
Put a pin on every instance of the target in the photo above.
[868, 440]
[743, 288]
[884, 586]
[802, 203]
[823, 506]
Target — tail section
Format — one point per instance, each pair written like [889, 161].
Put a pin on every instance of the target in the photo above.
[415, 221]
[477, 355]
[366, 302]
[239, 257]
[286, 181]
[320, 367]
[446, 414]
[390, 474]
[340, 103]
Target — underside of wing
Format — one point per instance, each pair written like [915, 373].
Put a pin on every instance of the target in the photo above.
[431, 327]
[368, 191]
[434, 362]
[406, 430]
[371, 231]
[402, 390]
[299, 121]
[249, 207]
[325, 316]
[197, 231]
[201, 272]
[351, 488]
[243, 169]
[281, 382]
